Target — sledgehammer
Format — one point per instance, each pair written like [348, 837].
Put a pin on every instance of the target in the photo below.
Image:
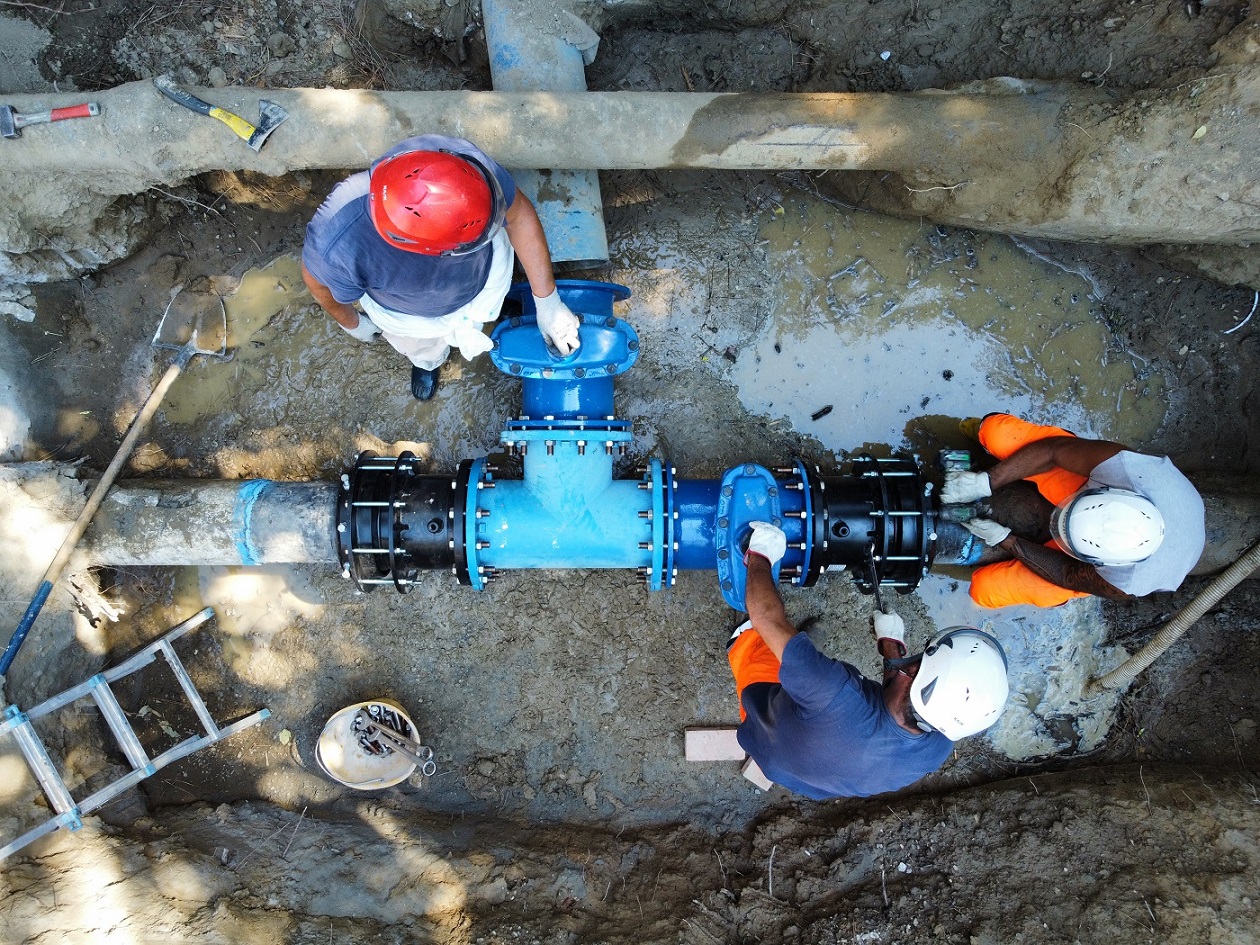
[12, 123]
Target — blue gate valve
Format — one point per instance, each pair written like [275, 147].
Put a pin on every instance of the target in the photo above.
[568, 511]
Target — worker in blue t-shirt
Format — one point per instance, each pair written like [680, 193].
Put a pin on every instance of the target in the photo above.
[818, 727]
[423, 242]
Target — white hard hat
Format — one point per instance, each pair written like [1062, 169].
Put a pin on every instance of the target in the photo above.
[961, 686]
[1107, 526]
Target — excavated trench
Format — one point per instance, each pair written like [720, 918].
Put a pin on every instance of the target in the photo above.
[562, 810]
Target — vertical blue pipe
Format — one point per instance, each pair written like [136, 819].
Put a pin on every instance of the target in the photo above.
[570, 397]
[529, 52]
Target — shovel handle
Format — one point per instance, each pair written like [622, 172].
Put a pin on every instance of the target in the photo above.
[71, 540]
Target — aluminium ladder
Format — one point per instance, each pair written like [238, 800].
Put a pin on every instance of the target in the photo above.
[69, 811]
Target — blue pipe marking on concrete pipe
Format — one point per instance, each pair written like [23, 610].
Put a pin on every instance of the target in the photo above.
[242, 518]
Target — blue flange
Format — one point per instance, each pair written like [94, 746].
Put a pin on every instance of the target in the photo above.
[748, 493]
[609, 346]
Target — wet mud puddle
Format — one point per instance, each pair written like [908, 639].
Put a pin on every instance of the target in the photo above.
[1052, 654]
[881, 328]
[262, 293]
[292, 367]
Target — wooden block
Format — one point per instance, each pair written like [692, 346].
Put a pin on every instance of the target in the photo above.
[713, 744]
[752, 771]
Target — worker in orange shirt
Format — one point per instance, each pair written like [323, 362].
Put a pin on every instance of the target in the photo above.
[1124, 524]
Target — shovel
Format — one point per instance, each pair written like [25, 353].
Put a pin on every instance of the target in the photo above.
[166, 337]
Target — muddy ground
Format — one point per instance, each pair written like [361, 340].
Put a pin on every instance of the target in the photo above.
[562, 810]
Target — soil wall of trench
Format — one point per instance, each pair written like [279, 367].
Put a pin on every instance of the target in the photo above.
[1135, 853]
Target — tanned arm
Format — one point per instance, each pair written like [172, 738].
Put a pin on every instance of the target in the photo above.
[525, 233]
[1072, 453]
[344, 315]
[1060, 569]
[765, 606]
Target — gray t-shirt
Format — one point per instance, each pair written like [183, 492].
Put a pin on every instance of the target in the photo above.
[1178, 502]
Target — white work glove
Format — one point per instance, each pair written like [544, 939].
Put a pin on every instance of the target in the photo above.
[962, 487]
[470, 339]
[366, 330]
[558, 325]
[889, 626]
[988, 531]
[766, 540]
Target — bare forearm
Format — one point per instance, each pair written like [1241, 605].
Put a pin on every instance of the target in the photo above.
[529, 242]
[765, 606]
[1060, 569]
[1074, 454]
[1036, 457]
[344, 315]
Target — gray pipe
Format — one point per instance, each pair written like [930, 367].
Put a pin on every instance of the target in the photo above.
[264, 522]
[141, 133]
[209, 522]
[979, 156]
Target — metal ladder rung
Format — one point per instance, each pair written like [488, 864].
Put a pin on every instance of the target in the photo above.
[41, 764]
[69, 813]
[116, 719]
[175, 753]
[186, 683]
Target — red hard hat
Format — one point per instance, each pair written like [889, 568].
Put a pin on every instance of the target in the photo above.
[435, 203]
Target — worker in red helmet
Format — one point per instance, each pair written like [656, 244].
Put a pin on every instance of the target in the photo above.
[423, 243]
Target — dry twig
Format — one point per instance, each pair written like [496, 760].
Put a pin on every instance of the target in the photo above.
[925, 190]
[295, 830]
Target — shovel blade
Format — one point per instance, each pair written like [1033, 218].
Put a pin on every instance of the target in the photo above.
[194, 323]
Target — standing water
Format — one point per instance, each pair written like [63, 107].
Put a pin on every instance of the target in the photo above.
[892, 324]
